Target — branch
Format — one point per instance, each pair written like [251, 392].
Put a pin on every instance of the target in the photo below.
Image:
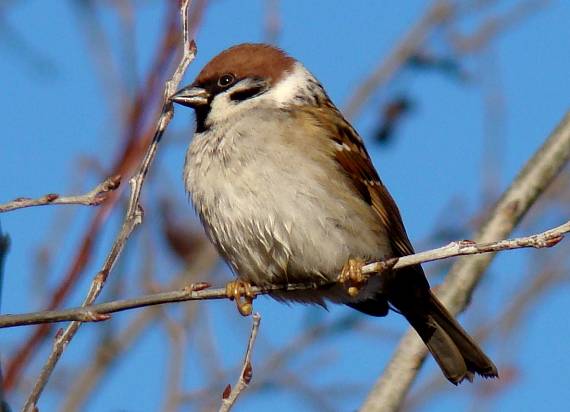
[136, 140]
[116, 343]
[389, 391]
[230, 395]
[439, 12]
[201, 291]
[92, 198]
[133, 216]
[495, 25]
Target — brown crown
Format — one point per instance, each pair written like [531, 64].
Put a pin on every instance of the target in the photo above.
[248, 60]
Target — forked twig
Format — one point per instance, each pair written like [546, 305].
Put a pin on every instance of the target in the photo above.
[230, 395]
[133, 216]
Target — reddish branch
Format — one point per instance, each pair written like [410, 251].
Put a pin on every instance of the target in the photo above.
[129, 157]
[133, 215]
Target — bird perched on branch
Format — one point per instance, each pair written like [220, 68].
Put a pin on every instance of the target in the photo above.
[287, 193]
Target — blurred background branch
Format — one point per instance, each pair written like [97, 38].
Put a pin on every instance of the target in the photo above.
[389, 391]
[452, 98]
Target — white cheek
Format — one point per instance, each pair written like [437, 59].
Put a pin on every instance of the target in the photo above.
[297, 86]
[224, 109]
[292, 86]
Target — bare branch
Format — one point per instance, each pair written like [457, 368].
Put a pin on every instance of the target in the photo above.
[389, 391]
[118, 343]
[495, 25]
[439, 12]
[133, 216]
[230, 394]
[92, 198]
[468, 247]
[200, 291]
[272, 21]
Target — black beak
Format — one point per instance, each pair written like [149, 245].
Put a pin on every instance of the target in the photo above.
[191, 96]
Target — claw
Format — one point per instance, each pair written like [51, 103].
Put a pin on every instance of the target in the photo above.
[352, 277]
[241, 292]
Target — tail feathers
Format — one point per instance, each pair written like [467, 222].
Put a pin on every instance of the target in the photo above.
[456, 353]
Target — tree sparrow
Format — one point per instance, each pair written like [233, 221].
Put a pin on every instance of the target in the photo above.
[287, 193]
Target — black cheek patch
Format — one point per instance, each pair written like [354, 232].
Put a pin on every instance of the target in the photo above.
[201, 116]
[242, 95]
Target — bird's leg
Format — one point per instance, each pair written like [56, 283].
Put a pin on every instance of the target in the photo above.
[240, 291]
[351, 276]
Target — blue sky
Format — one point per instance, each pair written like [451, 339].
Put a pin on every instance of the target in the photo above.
[54, 110]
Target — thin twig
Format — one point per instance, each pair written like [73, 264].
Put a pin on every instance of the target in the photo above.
[495, 25]
[133, 216]
[438, 15]
[100, 364]
[92, 198]
[103, 358]
[136, 141]
[201, 291]
[230, 394]
[389, 391]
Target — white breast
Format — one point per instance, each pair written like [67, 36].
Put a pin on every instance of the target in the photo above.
[273, 212]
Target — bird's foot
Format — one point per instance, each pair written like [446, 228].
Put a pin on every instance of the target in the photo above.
[241, 292]
[351, 276]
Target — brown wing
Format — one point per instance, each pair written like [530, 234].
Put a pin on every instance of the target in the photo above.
[410, 287]
[454, 350]
[354, 159]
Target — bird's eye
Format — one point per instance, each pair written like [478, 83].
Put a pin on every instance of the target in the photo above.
[225, 80]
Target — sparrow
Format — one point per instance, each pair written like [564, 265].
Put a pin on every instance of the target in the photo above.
[287, 193]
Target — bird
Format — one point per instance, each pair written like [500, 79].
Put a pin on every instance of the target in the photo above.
[287, 193]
